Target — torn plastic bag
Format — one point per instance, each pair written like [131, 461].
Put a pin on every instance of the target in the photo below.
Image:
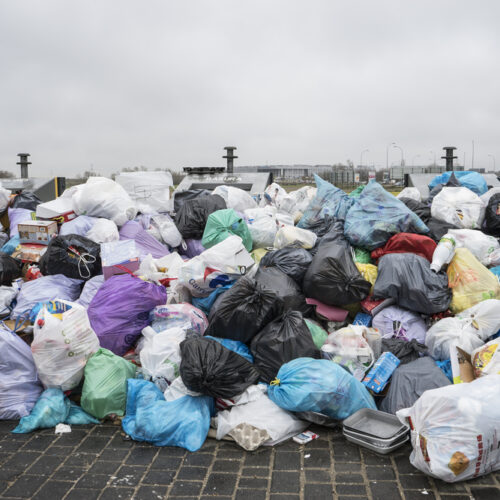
[26, 199]
[469, 329]
[74, 256]
[292, 261]
[408, 279]
[235, 198]
[185, 316]
[120, 310]
[235, 346]
[80, 225]
[458, 206]
[224, 223]
[183, 422]
[89, 290]
[144, 242]
[469, 179]
[19, 383]
[205, 304]
[454, 430]
[182, 196]
[10, 269]
[285, 288]
[45, 289]
[294, 236]
[192, 216]
[407, 243]
[492, 217]
[394, 321]
[470, 281]
[63, 340]
[333, 278]
[410, 381]
[261, 414]
[328, 201]
[53, 408]
[150, 191]
[103, 231]
[410, 192]
[218, 266]
[376, 216]
[209, 368]
[284, 339]
[244, 310]
[104, 389]
[403, 350]
[319, 385]
[161, 355]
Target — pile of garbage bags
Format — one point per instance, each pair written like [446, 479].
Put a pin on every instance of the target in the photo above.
[247, 317]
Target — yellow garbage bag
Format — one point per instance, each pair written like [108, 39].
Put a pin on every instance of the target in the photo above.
[470, 281]
[369, 273]
[257, 254]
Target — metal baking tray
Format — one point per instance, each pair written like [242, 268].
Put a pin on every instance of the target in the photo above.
[378, 449]
[374, 423]
[376, 441]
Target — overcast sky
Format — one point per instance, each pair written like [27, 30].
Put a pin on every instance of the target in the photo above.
[120, 83]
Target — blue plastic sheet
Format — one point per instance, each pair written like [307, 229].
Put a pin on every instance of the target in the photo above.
[319, 385]
[183, 422]
[53, 408]
[445, 367]
[206, 303]
[376, 216]
[329, 200]
[235, 346]
[471, 180]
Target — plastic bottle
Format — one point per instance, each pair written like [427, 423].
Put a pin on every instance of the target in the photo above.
[444, 252]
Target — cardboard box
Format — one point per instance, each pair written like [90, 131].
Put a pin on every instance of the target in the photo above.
[29, 252]
[484, 360]
[59, 210]
[37, 231]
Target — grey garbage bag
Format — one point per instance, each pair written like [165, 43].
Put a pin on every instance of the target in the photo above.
[410, 381]
[408, 279]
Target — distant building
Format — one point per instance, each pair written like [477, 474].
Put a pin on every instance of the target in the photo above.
[287, 171]
[398, 173]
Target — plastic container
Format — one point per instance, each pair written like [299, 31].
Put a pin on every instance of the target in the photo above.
[444, 253]
[382, 450]
[374, 424]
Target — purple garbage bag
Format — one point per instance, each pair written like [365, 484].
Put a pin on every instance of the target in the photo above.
[17, 215]
[192, 248]
[145, 243]
[120, 310]
[394, 321]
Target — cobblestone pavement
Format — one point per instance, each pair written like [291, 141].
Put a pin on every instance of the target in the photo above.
[96, 462]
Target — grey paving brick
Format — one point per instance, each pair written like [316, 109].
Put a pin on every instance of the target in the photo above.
[318, 491]
[226, 466]
[83, 494]
[484, 493]
[287, 460]
[25, 486]
[113, 493]
[186, 488]
[151, 492]
[159, 477]
[250, 494]
[52, 490]
[220, 484]
[285, 482]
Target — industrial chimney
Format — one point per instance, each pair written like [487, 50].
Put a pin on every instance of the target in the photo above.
[230, 157]
[23, 161]
[449, 157]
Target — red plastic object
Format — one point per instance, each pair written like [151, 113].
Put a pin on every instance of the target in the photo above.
[407, 243]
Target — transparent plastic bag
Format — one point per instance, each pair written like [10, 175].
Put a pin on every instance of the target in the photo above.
[294, 236]
[458, 206]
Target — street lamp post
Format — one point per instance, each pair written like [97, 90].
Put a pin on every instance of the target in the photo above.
[433, 153]
[387, 155]
[361, 158]
[494, 165]
[413, 160]
[394, 145]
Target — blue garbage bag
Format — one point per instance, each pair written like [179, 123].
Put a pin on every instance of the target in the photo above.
[206, 303]
[471, 180]
[376, 216]
[183, 422]
[53, 408]
[319, 385]
[235, 346]
[11, 245]
[495, 271]
[329, 201]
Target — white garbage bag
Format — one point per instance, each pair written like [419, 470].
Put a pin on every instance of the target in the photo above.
[167, 230]
[294, 236]
[63, 341]
[103, 231]
[468, 330]
[454, 430]
[102, 197]
[150, 191]
[486, 196]
[263, 231]
[7, 295]
[480, 245]
[236, 198]
[177, 390]
[410, 192]
[302, 197]
[220, 265]
[458, 206]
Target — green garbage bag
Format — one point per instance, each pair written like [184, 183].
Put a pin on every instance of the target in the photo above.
[356, 192]
[362, 256]
[104, 389]
[224, 223]
[318, 333]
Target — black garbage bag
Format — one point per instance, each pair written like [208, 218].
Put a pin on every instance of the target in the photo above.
[193, 214]
[284, 339]
[10, 269]
[72, 255]
[321, 226]
[403, 350]
[292, 261]
[438, 228]
[333, 278]
[410, 381]
[211, 369]
[408, 279]
[285, 287]
[181, 196]
[492, 218]
[421, 209]
[243, 311]
[26, 199]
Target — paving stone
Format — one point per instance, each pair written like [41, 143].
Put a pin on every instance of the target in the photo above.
[52, 490]
[128, 476]
[350, 489]
[251, 482]
[318, 491]
[220, 484]
[317, 458]
[259, 458]
[113, 493]
[380, 473]
[383, 490]
[46, 465]
[255, 472]
[285, 482]
[199, 459]
[156, 477]
[25, 486]
[186, 488]
[226, 466]
[93, 481]
[484, 493]
[318, 476]
[250, 494]
[141, 456]
[414, 481]
[151, 492]
[287, 460]
[344, 478]
[192, 473]
[83, 494]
